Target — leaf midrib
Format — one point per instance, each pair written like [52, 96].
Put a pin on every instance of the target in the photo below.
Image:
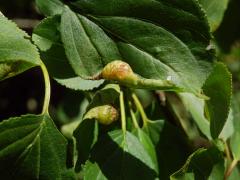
[201, 17]
[30, 146]
[52, 149]
[145, 52]
[91, 41]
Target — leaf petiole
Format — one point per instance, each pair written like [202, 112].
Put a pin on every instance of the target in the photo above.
[135, 123]
[230, 169]
[140, 108]
[47, 89]
[156, 84]
[123, 114]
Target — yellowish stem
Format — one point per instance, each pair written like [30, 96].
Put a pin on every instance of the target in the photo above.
[123, 117]
[47, 89]
[140, 108]
[230, 169]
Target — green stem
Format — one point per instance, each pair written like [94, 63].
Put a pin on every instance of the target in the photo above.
[47, 89]
[156, 84]
[140, 108]
[123, 114]
[135, 123]
[227, 151]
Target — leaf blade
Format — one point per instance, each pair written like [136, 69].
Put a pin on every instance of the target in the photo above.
[215, 11]
[87, 47]
[47, 37]
[17, 53]
[218, 87]
[45, 148]
[122, 148]
[50, 7]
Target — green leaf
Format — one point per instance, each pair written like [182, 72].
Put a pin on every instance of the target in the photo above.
[200, 163]
[146, 97]
[124, 157]
[186, 176]
[86, 136]
[55, 60]
[17, 53]
[187, 15]
[69, 174]
[182, 116]
[92, 171]
[46, 33]
[50, 7]
[218, 87]
[228, 128]
[107, 95]
[31, 147]
[235, 174]
[156, 37]
[215, 11]
[235, 139]
[8, 70]
[217, 171]
[77, 83]
[144, 41]
[47, 37]
[147, 144]
[170, 144]
[87, 131]
[196, 107]
[87, 47]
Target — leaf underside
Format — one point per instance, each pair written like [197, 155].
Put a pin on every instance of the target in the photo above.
[17, 53]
